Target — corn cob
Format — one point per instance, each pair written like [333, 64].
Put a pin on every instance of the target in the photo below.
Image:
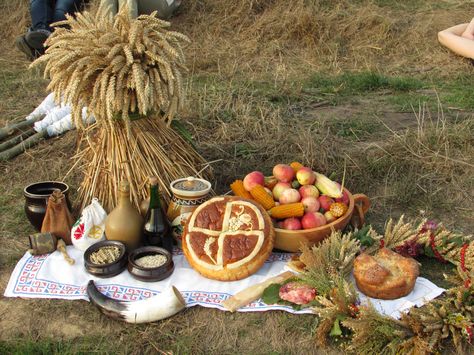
[287, 211]
[263, 197]
[296, 166]
[338, 209]
[237, 188]
[327, 186]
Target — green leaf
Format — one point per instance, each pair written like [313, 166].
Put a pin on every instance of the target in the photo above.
[336, 327]
[271, 294]
[363, 236]
[428, 251]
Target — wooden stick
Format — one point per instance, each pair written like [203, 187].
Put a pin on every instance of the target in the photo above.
[20, 148]
[10, 128]
[254, 292]
[15, 140]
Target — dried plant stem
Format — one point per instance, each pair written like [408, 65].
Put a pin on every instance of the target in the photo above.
[151, 148]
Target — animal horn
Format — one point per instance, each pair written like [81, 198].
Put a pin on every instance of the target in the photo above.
[161, 306]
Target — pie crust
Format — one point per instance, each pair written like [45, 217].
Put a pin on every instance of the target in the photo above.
[228, 238]
[386, 275]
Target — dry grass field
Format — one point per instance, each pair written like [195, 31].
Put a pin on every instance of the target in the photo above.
[360, 85]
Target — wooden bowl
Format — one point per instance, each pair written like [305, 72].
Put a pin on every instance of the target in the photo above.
[291, 240]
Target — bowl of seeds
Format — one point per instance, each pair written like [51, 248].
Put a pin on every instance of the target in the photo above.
[150, 264]
[105, 259]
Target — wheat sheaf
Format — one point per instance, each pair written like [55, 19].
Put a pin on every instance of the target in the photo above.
[117, 67]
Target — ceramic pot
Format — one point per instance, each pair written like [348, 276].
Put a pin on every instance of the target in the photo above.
[36, 199]
[188, 194]
[291, 240]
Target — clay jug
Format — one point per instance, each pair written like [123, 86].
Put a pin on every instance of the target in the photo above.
[188, 194]
[124, 223]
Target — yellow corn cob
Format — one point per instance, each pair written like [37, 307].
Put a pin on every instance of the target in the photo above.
[287, 211]
[296, 166]
[338, 209]
[237, 188]
[263, 197]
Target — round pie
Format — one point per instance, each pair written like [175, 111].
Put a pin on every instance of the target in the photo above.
[228, 238]
[386, 275]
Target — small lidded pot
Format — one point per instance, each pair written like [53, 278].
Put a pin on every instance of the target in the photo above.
[188, 194]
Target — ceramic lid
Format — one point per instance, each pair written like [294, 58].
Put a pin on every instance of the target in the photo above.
[190, 187]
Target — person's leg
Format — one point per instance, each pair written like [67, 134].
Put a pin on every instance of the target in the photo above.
[132, 7]
[165, 8]
[64, 7]
[111, 5]
[41, 12]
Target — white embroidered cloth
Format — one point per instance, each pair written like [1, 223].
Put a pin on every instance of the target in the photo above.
[50, 276]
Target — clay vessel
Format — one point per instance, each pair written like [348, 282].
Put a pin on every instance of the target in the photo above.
[124, 223]
[291, 240]
[188, 194]
[36, 199]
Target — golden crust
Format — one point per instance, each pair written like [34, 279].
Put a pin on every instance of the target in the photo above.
[242, 271]
[386, 275]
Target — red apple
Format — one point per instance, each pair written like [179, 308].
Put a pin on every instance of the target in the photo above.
[329, 216]
[289, 196]
[309, 191]
[279, 188]
[311, 204]
[283, 172]
[292, 223]
[305, 176]
[325, 202]
[313, 220]
[344, 199]
[252, 179]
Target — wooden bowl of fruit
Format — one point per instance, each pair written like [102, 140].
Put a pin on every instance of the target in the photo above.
[291, 240]
[305, 205]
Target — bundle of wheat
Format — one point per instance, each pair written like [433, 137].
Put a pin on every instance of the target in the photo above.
[127, 72]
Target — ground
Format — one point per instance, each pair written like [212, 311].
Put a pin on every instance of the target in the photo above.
[360, 86]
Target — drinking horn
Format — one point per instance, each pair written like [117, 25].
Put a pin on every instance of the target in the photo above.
[164, 305]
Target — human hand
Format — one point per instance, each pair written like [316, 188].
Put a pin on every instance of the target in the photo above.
[469, 31]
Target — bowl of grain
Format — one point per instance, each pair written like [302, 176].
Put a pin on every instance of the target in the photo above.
[150, 264]
[105, 259]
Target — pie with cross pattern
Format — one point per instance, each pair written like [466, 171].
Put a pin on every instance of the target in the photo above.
[228, 238]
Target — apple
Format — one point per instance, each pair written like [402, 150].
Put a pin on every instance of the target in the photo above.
[283, 172]
[292, 223]
[311, 204]
[289, 196]
[279, 188]
[305, 176]
[325, 202]
[270, 182]
[309, 191]
[313, 220]
[252, 179]
[329, 216]
[344, 199]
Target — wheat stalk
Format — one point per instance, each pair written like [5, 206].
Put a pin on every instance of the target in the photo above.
[116, 66]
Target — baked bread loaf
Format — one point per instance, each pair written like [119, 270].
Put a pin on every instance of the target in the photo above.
[228, 238]
[386, 275]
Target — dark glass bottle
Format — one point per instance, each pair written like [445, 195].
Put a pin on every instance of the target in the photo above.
[157, 230]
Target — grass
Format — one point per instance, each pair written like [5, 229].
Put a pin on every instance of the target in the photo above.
[328, 83]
